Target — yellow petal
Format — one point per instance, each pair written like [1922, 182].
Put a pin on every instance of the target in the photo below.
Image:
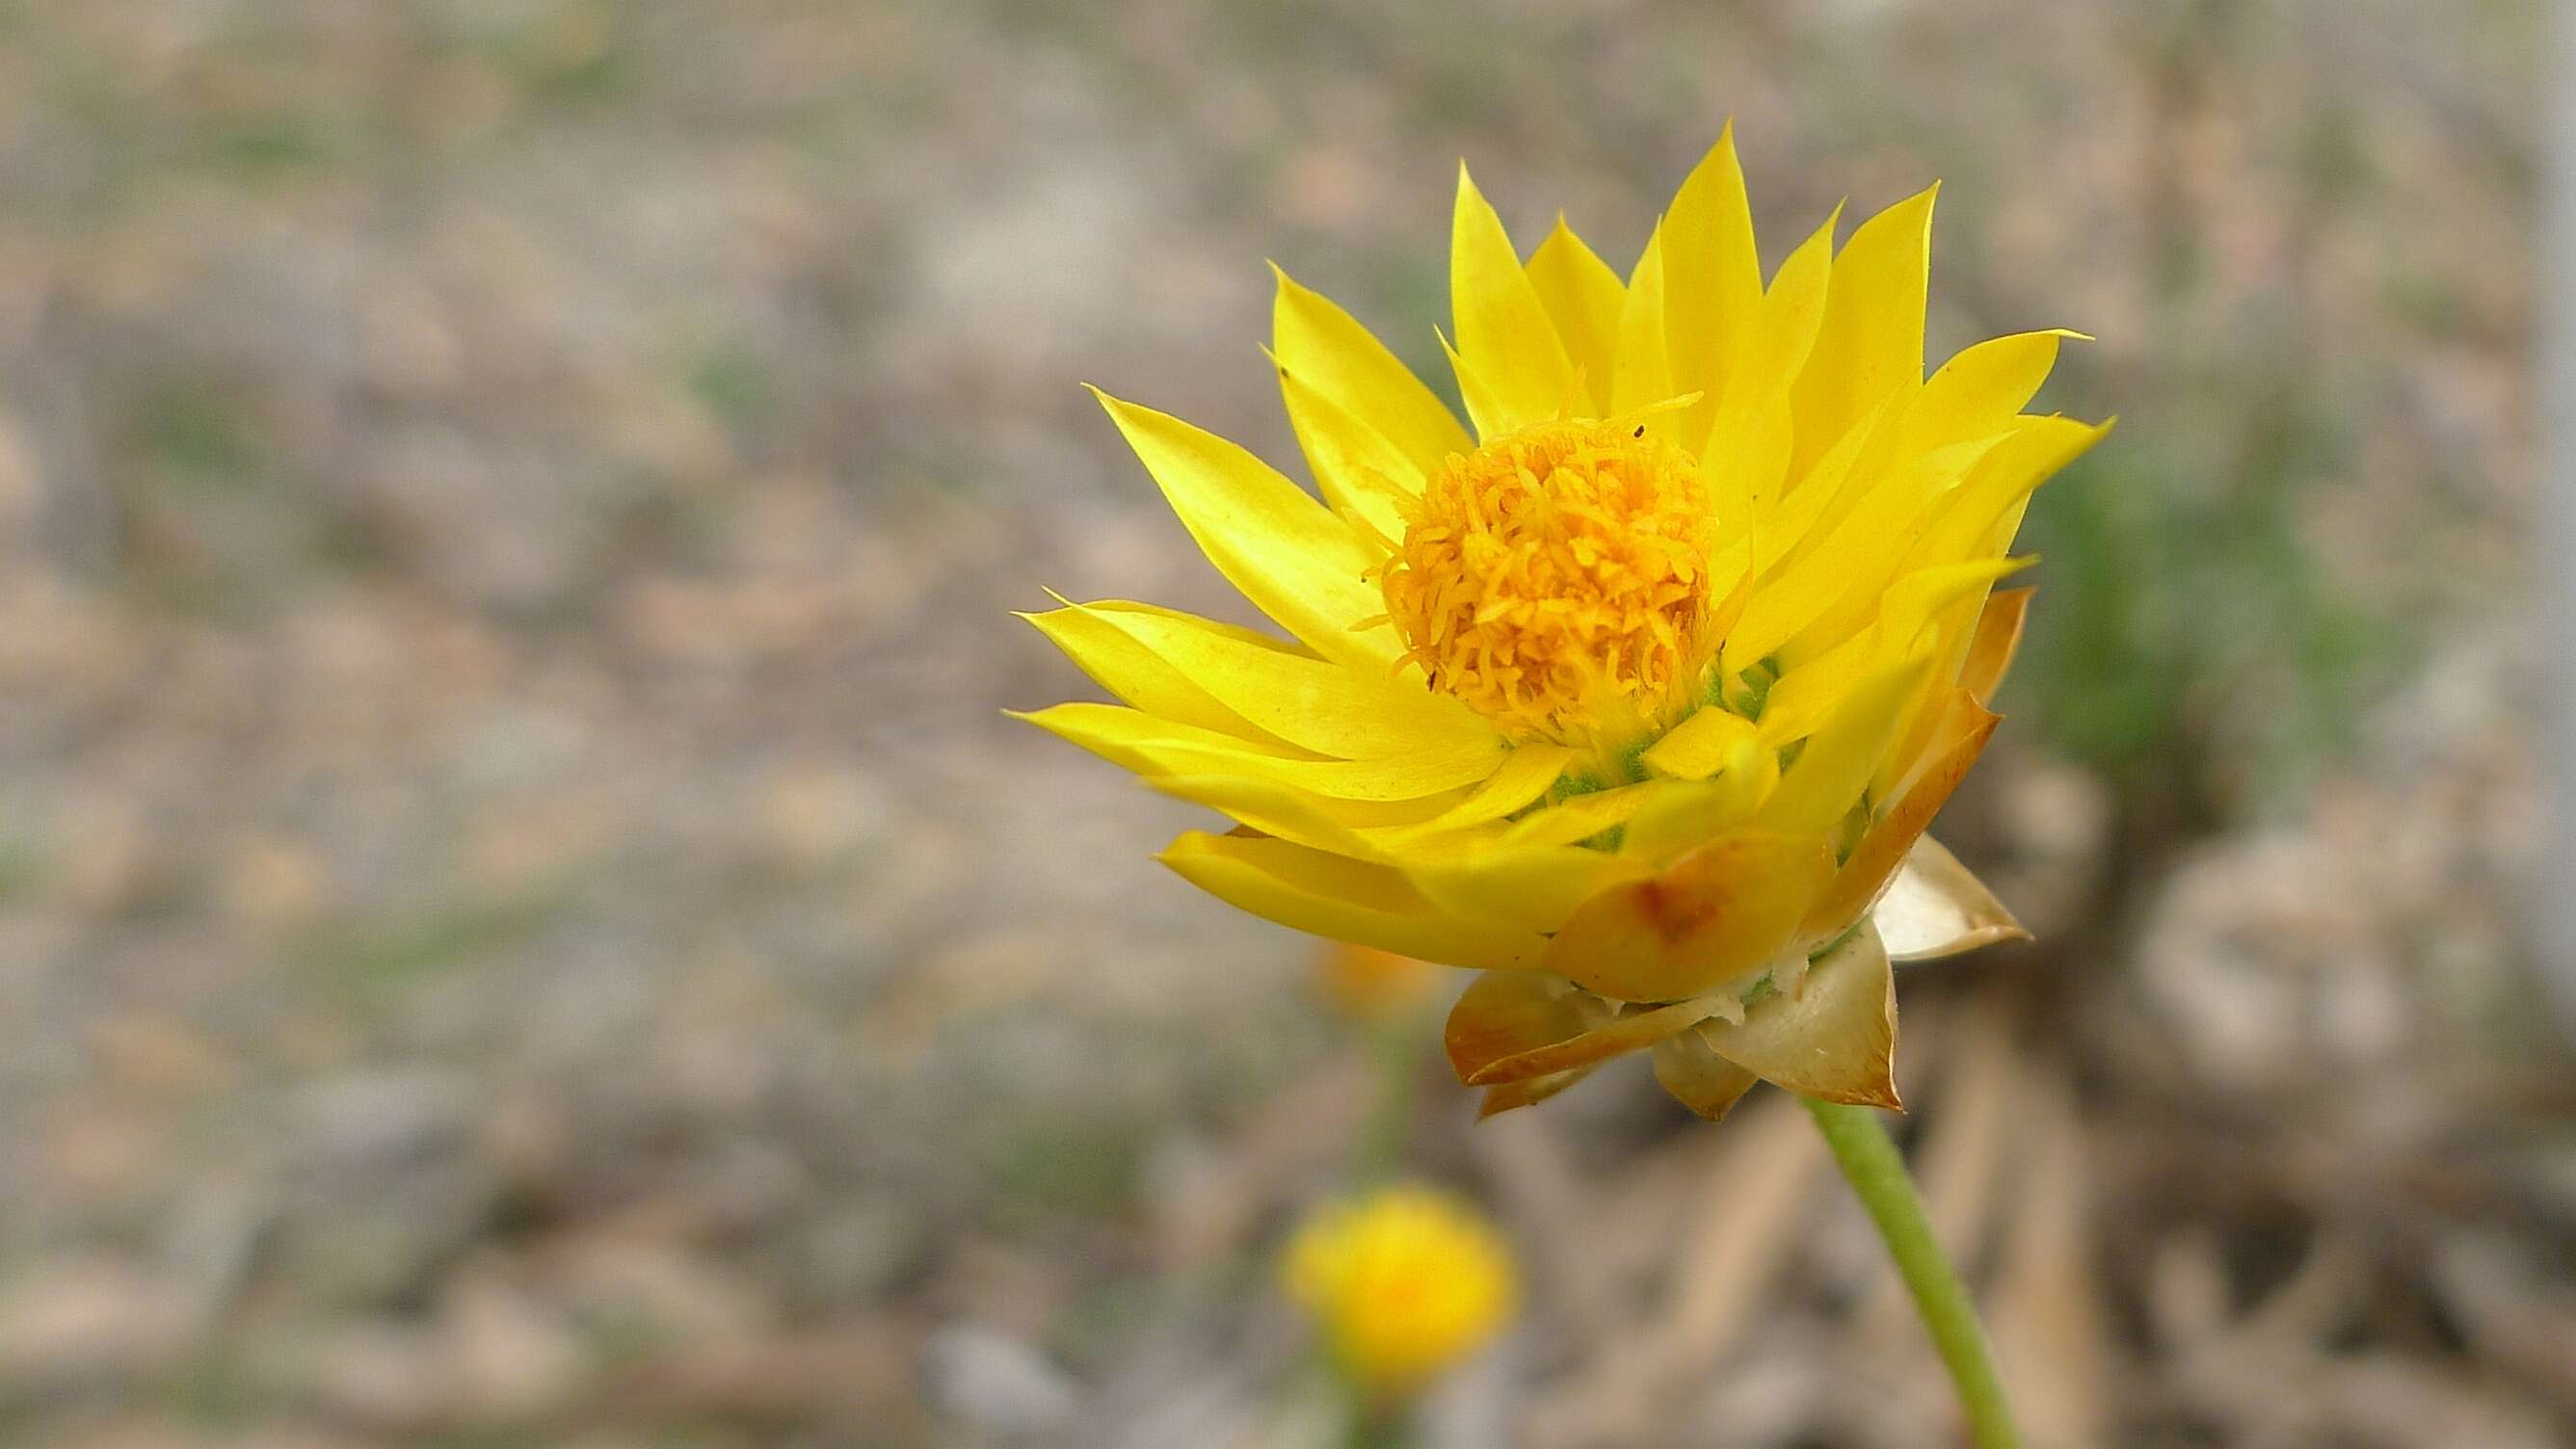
[1978, 391]
[1583, 297]
[1341, 899]
[1937, 907]
[1853, 562]
[1339, 826]
[1283, 550]
[1834, 1037]
[1643, 374]
[1584, 816]
[1709, 741]
[1153, 745]
[1871, 342]
[1737, 770]
[1981, 657]
[1314, 704]
[1808, 691]
[1126, 668]
[1883, 848]
[1690, 814]
[1835, 766]
[1328, 351]
[1698, 1077]
[1359, 471]
[1991, 649]
[1487, 407]
[1966, 520]
[1116, 733]
[1523, 776]
[1717, 913]
[1534, 886]
[1748, 437]
[1788, 326]
[1504, 332]
[1712, 281]
[1504, 1029]
[1791, 523]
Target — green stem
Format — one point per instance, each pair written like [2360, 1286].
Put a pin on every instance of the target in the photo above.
[1377, 1426]
[1395, 1048]
[1877, 1175]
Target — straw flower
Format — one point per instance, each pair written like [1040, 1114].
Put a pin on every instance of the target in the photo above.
[1637, 698]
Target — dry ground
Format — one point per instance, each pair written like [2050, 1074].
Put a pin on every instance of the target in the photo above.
[521, 921]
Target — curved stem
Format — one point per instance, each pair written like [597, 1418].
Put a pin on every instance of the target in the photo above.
[1877, 1175]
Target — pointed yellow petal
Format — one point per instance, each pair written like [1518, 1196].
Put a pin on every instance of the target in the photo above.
[1712, 281]
[1982, 652]
[1690, 814]
[1314, 704]
[1286, 552]
[1487, 407]
[1789, 323]
[1979, 391]
[1803, 697]
[1344, 827]
[1737, 769]
[1848, 570]
[1126, 668]
[1504, 332]
[1746, 447]
[1341, 899]
[1358, 470]
[1584, 816]
[1965, 522]
[1871, 343]
[1152, 745]
[1698, 1077]
[1887, 842]
[1792, 522]
[1834, 1037]
[1534, 886]
[1117, 733]
[1325, 349]
[1836, 764]
[1643, 373]
[1583, 297]
[1709, 741]
[1937, 907]
[1523, 776]
[1991, 649]
[1714, 915]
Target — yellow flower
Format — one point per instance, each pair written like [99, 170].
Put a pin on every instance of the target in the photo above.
[1640, 698]
[1403, 1284]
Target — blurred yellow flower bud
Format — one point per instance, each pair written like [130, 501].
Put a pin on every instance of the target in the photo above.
[1367, 984]
[1403, 1284]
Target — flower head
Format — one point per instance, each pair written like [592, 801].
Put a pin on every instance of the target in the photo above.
[1639, 697]
[1403, 1284]
[1558, 578]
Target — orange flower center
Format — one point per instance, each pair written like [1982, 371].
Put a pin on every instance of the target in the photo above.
[1557, 580]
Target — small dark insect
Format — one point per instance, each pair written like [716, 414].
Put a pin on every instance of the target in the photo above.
[1641, 431]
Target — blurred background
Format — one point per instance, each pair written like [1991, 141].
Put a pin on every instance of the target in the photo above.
[522, 923]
